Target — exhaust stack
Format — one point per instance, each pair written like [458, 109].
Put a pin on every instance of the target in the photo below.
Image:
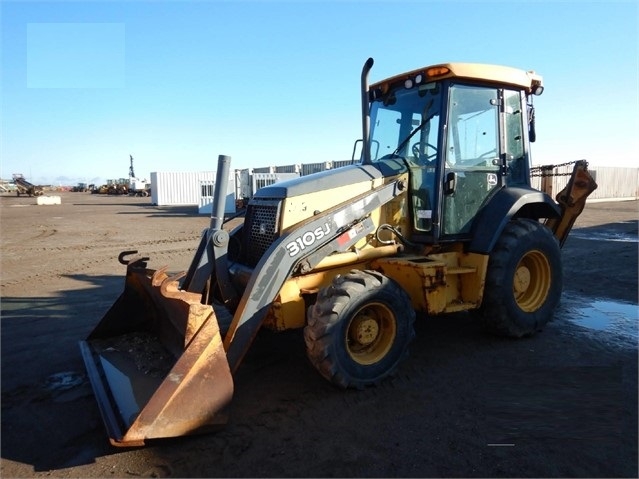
[366, 118]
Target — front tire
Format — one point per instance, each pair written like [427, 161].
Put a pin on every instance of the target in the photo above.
[359, 329]
[523, 281]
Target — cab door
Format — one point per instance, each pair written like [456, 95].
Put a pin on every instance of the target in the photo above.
[471, 160]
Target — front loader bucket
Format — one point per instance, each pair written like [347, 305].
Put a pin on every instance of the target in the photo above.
[156, 361]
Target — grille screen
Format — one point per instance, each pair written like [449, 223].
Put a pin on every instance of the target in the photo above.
[262, 219]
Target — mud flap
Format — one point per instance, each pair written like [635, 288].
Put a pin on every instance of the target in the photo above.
[156, 361]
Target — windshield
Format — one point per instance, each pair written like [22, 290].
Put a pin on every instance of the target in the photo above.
[405, 123]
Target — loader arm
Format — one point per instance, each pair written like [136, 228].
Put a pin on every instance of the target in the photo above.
[210, 259]
[300, 250]
[572, 200]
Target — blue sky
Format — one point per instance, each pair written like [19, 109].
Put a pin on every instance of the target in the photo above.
[85, 84]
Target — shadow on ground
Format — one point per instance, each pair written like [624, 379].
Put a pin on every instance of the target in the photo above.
[46, 397]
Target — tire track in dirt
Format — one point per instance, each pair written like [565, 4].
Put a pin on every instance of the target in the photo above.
[87, 267]
[47, 233]
[27, 249]
[102, 253]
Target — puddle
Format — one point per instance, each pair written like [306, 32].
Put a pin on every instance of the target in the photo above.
[605, 236]
[621, 319]
[63, 381]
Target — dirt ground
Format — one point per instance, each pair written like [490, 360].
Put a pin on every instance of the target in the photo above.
[464, 404]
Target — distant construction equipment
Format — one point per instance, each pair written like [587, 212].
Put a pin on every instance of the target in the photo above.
[23, 187]
[80, 188]
[137, 187]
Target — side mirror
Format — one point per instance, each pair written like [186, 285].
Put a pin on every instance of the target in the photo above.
[358, 150]
[532, 134]
[450, 182]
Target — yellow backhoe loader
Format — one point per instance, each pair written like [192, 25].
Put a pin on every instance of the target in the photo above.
[437, 217]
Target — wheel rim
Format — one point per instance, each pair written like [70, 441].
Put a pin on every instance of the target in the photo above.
[531, 282]
[371, 333]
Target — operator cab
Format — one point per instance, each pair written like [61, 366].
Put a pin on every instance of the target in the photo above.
[461, 131]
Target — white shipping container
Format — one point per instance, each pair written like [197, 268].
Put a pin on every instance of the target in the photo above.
[288, 169]
[264, 169]
[310, 168]
[207, 189]
[243, 184]
[169, 188]
[260, 180]
[339, 164]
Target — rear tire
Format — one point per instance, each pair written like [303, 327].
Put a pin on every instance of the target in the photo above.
[523, 281]
[359, 329]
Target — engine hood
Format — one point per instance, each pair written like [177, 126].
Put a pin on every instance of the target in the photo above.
[326, 180]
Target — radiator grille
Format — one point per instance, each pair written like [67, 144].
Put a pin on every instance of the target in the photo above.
[261, 228]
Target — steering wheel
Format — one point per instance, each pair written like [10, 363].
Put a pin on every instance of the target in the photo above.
[423, 158]
[482, 159]
[488, 153]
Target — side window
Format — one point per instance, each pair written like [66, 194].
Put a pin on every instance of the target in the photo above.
[473, 126]
[514, 136]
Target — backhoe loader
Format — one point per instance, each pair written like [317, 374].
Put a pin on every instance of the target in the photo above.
[438, 216]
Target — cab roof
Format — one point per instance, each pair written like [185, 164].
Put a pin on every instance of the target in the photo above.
[497, 74]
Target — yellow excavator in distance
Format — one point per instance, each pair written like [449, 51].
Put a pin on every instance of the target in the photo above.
[438, 216]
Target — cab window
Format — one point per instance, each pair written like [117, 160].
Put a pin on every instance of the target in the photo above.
[514, 138]
[473, 129]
